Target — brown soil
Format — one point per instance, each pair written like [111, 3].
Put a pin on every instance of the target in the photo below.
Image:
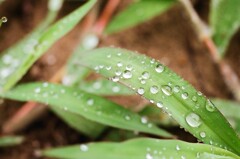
[168, 38]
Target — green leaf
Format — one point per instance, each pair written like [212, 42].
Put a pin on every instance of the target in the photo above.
[11, 72]
[87, 105]
[79, 123]
[138, 12]
[230, 110]
[224, 21]
[168, 91]
[10, 141]
[142, 148]
[105, 88]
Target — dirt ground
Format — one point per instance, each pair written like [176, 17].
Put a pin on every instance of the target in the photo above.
[168, 38]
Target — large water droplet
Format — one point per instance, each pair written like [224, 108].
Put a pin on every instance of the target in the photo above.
[159, 68]
[127, 74]
[154, 89]
[115, 78]
[193, 120]
[83, 147]
[185, 95]
[140, 91]
[149, 156]
[145, 75]
[210, 106]
[167, 90]
[4, 19]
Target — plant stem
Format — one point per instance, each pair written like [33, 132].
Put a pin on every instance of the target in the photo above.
[30, 111]
[230, 77]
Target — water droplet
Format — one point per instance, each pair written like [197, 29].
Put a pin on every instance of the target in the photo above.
[118, 72]
[108, 68]
[129, 67]
[177, 148]
[143, 81]
[194, 99]
[4, 19]
[149, 156]
[115, 78]
[127, 117]
[185, 95]
[37, 90]
[203, 134]
[97, 85]
[83, 147]
[145, 75]
[210, 106]
[119, 64]
[127, 74]
[90, 41]
[159, 104]
[167, 90]
[193, 120]
[144, 120]
[140, 91]
[90, 102]
[176, 89]
[199, 93]
[159, 68]
[154, 89]
[115, 89]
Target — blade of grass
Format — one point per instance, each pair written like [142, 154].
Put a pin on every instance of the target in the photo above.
[10, 141]
[87, 105]
[105, 87]
[142, 148]
[138, 12]
[11, 74]
[168, 91]
[224, 22]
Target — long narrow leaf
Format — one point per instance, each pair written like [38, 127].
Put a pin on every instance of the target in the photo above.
[224, 21]
[168, 91]
[138, 12]
[142, 148]
[12, 71]
[87, 105]
[10, 141]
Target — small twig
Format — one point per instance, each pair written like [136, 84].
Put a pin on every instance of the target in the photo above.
[203, 32]
[30, 111]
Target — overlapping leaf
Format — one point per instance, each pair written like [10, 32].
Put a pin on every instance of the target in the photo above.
[168, 91]
[138, 12]
[224, 21]
[10, 141]
[142, 148]
[87, 105]
[14, 64]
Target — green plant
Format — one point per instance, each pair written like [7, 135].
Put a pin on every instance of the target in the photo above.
[82, 106]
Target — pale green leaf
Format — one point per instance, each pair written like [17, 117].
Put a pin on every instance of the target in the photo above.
[138, 12]
[10, 141]
[11, 72]
[87, 105]
[141, 148]
[224, 22]
[166, 89]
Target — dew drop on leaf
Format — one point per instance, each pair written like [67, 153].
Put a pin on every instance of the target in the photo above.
[145, 75]
[159, 104]
[129, 67]
[159, 68]
[144, 120]
[193, 120]
[154, 89]
[115, 79]
[127, 117]
[176, 89]
[167, 90]
[194, 99]
[210, 106]
[177, 148]
[184, 95]
[203, 134]
[140, 91]
[84, 147]
[37, 90]
[90, 102]
[127, 74]
[149, 156]
[119, 64]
